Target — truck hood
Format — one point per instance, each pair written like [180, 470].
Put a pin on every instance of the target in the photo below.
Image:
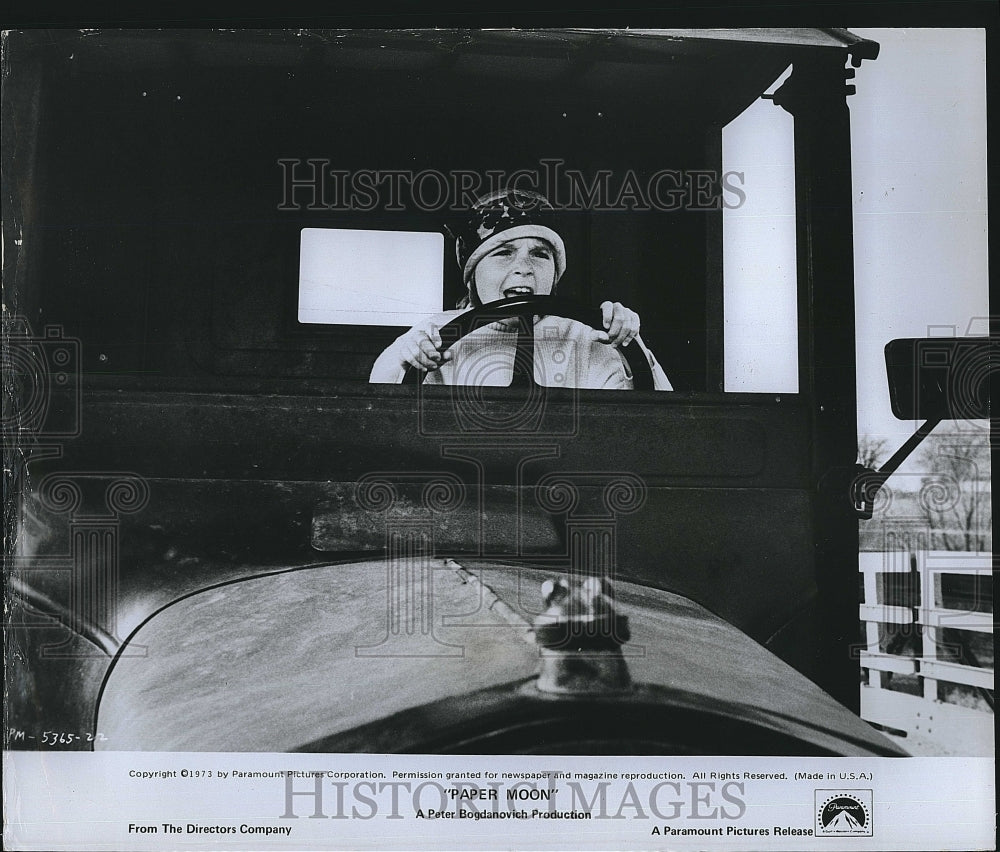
[277, 662]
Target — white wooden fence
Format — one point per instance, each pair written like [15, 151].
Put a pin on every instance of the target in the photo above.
[921, 619]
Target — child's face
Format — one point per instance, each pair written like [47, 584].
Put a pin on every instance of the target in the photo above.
[521, 267]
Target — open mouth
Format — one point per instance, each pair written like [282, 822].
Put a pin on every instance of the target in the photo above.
[513, 292]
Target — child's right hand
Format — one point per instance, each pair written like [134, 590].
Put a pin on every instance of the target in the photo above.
[421, 347]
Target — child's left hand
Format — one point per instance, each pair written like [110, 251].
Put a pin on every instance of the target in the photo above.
[621, 324]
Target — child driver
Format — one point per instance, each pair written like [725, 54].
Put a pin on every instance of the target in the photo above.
[510, 248]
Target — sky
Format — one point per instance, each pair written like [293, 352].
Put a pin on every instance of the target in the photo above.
[918, 125]
[920, 204]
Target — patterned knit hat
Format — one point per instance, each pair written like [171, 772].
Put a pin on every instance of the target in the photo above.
[500, 217]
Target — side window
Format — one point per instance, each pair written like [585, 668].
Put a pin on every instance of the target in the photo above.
[759, 268]
[350, 276]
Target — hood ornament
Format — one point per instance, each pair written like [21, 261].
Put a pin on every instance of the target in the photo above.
[580, 635]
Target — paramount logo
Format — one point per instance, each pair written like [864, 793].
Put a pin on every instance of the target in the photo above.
[844, 813]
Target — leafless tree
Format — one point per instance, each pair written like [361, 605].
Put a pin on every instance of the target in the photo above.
[955, 493]
[870, 451]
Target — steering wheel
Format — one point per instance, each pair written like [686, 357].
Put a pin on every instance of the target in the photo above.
[527, 307]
